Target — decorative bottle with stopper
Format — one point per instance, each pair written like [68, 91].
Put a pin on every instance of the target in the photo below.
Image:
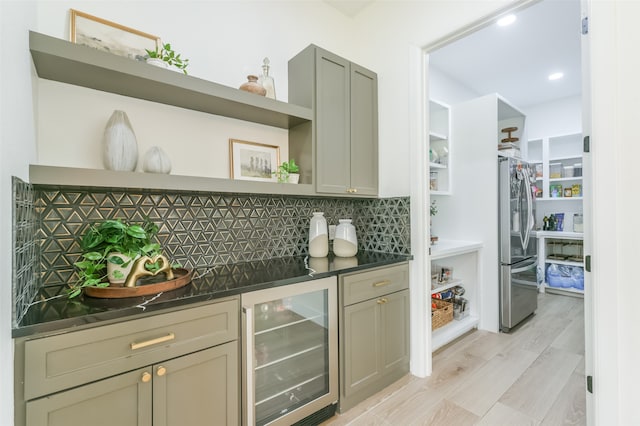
[266, 80]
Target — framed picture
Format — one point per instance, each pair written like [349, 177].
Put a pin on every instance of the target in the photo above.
[108, 36]
[253, 161]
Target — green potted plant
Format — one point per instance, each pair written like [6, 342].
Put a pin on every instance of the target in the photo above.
[109, 249]
[165, 56]
[288, 172]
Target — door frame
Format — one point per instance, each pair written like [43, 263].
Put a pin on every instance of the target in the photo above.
[421, 359]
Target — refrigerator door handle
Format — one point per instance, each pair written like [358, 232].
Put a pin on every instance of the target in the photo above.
[530, 223]
[524, 268]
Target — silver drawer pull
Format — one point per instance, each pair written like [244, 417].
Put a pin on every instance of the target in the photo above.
[155, 341]
[382, 283]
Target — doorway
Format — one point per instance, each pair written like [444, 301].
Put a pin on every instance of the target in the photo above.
[555, 125]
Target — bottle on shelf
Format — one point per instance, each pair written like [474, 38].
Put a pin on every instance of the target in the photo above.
[267, 81]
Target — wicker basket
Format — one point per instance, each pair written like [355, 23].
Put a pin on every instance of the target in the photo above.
[442, 314]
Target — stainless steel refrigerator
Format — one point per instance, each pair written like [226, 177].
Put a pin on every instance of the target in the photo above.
[518, 244]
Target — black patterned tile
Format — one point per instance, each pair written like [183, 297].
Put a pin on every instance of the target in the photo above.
[195, 229]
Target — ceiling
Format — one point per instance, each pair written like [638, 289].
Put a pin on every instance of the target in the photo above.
[513, 61]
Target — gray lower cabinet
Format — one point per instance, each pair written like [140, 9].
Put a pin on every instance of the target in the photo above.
[179, 368]
[374, 332]
[344, 98]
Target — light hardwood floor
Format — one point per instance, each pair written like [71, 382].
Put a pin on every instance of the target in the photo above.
[532, 376]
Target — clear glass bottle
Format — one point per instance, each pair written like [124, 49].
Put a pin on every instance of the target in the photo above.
[267, 81]
[345, 243]
[318, 236]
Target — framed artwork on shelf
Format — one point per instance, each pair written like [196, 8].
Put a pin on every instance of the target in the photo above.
[253, 160]
[89, 30]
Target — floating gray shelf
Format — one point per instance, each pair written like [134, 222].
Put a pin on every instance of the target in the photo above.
[97, 178]
[66, 62]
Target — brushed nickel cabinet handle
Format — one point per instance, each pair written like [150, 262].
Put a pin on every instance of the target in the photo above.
[382, 283]
[140, 345]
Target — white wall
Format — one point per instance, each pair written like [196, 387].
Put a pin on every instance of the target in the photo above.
[557, 118]
[231, 40]
[17, 150]
[615, 91]
[445, 89]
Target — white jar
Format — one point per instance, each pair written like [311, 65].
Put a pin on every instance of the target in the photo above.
[345, 243]
[318, 236]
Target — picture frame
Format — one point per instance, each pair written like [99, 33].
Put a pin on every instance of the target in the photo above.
[253, 160]
[107, 36]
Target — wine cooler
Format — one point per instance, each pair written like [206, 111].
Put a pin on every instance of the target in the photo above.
[290, 353]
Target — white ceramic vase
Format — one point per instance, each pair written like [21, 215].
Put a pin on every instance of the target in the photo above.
[119, 145]
[345, 243]
[156, 161]
[318, 236]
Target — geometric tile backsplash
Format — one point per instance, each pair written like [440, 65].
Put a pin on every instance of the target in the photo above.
[200, 228]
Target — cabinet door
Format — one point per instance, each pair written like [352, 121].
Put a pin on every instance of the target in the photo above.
[394, 329]
[123, 400]
[198, 389]
[361, 343]
[364, 131]
[332, 121]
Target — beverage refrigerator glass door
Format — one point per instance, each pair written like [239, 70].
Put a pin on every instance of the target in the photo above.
[290, 355]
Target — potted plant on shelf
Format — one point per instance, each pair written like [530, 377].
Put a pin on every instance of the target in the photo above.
[109, 250]
[288, 172]
[164, 56]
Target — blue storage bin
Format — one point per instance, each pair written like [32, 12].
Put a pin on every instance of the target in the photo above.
[564, 276]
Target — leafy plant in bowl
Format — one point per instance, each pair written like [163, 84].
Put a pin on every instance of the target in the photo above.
[113, 242]
[166, 54]
[288, 172]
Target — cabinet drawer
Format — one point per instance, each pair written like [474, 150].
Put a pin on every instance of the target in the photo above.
[373, 283]
[59, 362]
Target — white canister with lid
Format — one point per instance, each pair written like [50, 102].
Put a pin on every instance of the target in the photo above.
[345, 243]
[318, 236]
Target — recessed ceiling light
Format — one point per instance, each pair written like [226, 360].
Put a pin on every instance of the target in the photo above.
[506, 20]
[556, 76]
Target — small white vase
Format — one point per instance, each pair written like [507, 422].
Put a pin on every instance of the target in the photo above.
[119, 145]
[156, 161]
[345, 243]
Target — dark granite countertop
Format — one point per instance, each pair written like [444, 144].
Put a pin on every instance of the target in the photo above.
[52, 312]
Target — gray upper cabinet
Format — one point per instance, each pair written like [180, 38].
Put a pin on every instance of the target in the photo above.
[344, 98]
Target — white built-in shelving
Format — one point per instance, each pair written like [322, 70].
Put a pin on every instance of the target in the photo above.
[560, 248]
[464, 258]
